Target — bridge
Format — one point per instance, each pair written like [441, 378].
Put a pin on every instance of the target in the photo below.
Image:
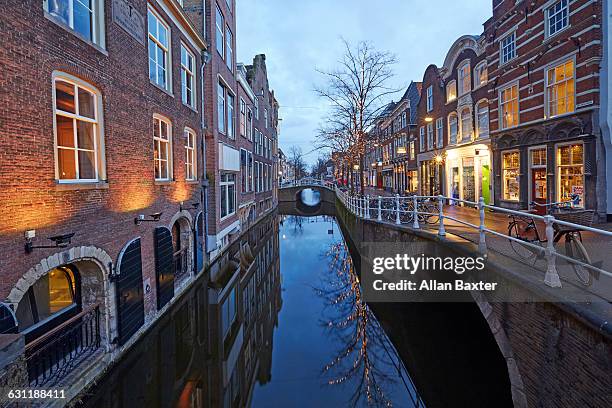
[555, 333]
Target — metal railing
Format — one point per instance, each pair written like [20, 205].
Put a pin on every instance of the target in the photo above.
[308, 181]
[51, 356]
[417, 211]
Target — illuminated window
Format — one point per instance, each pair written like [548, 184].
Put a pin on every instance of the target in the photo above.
[162, 133]
[77, 130]
[570, 172]
[453, 127]
[422, 139]
[560, 89]
[557, 17]
[465, 78]
[159, 47]
[53, 293]
[507, 48]
[466, 125]
[480, 75]
[510, 175]
[451, 91]
[190, 155]
[482, 119]
[508, 102]
[439, 132]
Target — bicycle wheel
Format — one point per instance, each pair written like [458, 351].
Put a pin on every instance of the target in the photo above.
[576, 250]
[521, 250]
[431, 209]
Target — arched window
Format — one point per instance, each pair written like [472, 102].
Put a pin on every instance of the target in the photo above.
[53, 294]
[466, 125]
[452, 128]
[482, 119]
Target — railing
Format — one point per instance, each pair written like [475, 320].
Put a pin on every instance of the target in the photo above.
[308, 181]
[418, 211]
[51, 356]
[180, 264]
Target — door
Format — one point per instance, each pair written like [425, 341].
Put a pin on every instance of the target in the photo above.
[485, 186]
[164, 265]
[130, 298]
[538, 189]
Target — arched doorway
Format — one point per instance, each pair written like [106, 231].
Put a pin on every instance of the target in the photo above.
[182, 251]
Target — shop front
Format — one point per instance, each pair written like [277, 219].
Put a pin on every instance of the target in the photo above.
[469, 173]
[431, 174]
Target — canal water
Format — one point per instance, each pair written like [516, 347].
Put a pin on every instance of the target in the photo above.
[295, 333]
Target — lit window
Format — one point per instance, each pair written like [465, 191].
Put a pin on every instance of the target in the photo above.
[508, 101]
[412, 150]
[429, 98]
[220, 39]
[80, 15]
[221, 108]
[482, 114]
[451, 91]
[190, 155]
[557, 17]
[439, 132]
[452, 128]
[158, 50]
[161, 140]
[510, 175]
[560, 89]
[77, 130]
[230, 117]
[508, 48]
[228, 194]
[229, 49]
[465, 78]
[480, 75]
[422, 139]
[466, 125]
[187, 77]
[570, 172]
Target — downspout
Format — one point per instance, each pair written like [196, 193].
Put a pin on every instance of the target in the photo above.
[204, 189]
[605, 110]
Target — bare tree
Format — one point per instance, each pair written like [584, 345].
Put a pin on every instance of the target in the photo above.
[319, 168]
[296, 160]
[356, 91]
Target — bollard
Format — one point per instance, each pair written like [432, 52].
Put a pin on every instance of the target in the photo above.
[552, 276]
[482, 244]
[415, 212]
[441, 231]
[379, 208]
[397, 209]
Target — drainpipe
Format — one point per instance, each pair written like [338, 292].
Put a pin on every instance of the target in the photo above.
[605, 111]
[203, 126]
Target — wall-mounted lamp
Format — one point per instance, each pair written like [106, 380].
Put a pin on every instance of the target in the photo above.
[428, 119]
[61, 241]
[194, 206]
[141, 218]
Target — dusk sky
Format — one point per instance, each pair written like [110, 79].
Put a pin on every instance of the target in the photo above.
[300, 36]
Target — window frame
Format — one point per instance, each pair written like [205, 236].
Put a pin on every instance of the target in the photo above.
[559, 166]
[219, 28]
[503, 174]
[191, 151]
[230, 99]
[98, 29]
[464, 76]
[469, 117]
[439, 132]
[167, 49]
[98, 137]
[422, 139]
[430, 136]
[547, 101]
[224, 190]
[169, 155]
[430, 98]
[501, 105]
[229, 48]
[513, 55]
[221, 104]
[189, 54]
[450, 85]
[485, 102]
[547, 17]
[450, 116]
[482, 65]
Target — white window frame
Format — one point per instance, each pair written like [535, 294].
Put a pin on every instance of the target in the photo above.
[266, 117]
[221, 114]
[168, 146]
[422, 139]
[452, 85]
[97, 21]
[229, 48]
[439, 132]
[547, 100]
[503, 175]
[230, 110]
[430, 136]
[547, 16]
[188, 77]
[450, 140]
[501, 106]
[558, 167]
[430, 101]
[249, 123]
[464, 78]
[461, 123]
[191, 156]
[477, 69]
[98, 129]
[504, 57]
[482, 134]
[220, 31]
[224, 190]
[166, 49]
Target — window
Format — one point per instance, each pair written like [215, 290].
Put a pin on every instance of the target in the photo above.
[412, 150]
[560, 89]
[244, 184]
[220, 38]
[439, 132]
[508, 101]
[507, 48]
[451, 91]
[228, 312]
[76, 131]
[481, 75]
[229, 4]
[80, 15]
[430, 98]
[404, 120]
[570, 172]
[422, 139]
[53, 293]
[221, 108]
[228, 194]
[249, 130]
[159, 47]
[256, 108]
[230, 117]
[250, 181]
[430, 136]
[242, 119]
[161, 140]
[229, 49]
[482, 116]
[266, 117]
[466, 125]
[465, 78]
[453, 127]
[510, 175]
[557, 17]
[190, 155]
[187, 77]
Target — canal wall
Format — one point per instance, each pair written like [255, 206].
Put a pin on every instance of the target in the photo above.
[555, 354]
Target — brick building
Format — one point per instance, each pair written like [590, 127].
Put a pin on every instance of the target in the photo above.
[246, 102]
[102, 145]
[544, 62]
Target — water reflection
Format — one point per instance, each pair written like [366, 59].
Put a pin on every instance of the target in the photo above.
[310, 197]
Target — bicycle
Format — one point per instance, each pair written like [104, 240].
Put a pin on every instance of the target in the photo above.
[524, 228]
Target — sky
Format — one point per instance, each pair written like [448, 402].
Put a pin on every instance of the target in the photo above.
[301, 36]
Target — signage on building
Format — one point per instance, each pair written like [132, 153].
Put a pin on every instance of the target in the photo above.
[130, 19]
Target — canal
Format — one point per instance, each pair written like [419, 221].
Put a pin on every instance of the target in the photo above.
[279, 321]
